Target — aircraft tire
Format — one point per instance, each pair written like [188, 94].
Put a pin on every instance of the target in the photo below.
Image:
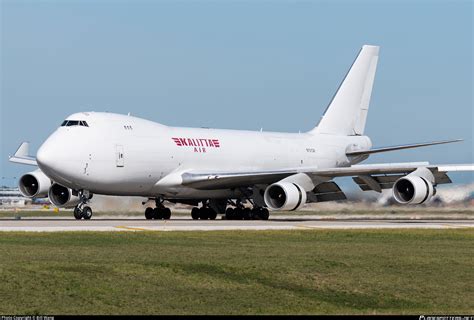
[77, 213]
[203, 213]
[212, 214]
[264, 214]
[238, 214]
[195, 213]
[247, 214]
[166, 213]
[157, 214]
[87, 213]
[149, 213]
[230, 214]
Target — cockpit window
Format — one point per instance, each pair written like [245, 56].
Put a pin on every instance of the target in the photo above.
[70, 123]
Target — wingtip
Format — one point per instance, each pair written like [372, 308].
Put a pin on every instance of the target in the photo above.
[375, 49]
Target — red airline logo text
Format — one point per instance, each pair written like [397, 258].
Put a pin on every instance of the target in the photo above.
[199, 144]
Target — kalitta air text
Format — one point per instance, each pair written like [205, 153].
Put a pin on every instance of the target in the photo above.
[198, 144]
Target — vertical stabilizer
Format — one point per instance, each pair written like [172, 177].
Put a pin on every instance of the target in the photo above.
[347, 111]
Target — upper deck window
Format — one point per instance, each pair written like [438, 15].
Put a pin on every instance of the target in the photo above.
[70, 123]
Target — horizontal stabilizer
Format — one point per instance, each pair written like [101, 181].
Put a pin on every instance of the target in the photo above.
[400, 147]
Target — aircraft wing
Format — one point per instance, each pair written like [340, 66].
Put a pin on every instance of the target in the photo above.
[22, 155]
[399, 147]
[367, 176]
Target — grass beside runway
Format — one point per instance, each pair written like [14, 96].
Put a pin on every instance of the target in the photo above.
[238, 272]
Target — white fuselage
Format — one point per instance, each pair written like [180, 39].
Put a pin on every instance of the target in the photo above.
[124, 155]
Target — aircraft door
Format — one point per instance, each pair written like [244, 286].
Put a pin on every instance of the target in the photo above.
[119, 155]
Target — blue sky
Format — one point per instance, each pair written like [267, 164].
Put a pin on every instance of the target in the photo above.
[247, 65]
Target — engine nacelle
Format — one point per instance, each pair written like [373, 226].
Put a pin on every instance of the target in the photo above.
[284, 196]
[62, 197]
[34, 184]
[415, 188]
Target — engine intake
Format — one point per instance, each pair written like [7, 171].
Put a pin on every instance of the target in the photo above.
[284, 196]
[34, 184]
[61, 196]
[415, 188]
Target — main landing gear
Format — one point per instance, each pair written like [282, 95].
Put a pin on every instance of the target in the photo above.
[158, 213]
[203, 213]
[241, 213]
[81, 211]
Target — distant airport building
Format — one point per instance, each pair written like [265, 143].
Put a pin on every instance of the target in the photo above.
[11, 197]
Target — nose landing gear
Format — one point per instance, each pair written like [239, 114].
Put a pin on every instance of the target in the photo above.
[81, 211]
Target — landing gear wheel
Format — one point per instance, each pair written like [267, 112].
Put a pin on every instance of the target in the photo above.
[263, 214]
[238, 214]
[195, 213]
[157, 213]
[211, 214]
[203, 213]
[166, 213]
[247, 214]
[77, 213]
[229, 214]
[81, 210]
[149, 213]
[87, 213]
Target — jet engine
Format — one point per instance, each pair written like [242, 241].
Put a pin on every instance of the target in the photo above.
[284, 196]
[61, 196]
[415, 188]
[34, 184]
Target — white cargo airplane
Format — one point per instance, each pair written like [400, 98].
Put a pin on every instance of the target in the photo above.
[221, 170]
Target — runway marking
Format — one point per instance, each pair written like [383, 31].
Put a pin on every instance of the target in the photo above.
[308, 227]
[132, 228]
[455, 226]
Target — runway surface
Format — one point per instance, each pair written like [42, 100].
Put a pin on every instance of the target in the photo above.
[187, 224]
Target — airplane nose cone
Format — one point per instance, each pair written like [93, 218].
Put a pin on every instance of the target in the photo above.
[45, 157]
[61, 160]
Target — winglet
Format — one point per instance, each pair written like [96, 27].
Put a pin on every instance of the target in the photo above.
[22, 155]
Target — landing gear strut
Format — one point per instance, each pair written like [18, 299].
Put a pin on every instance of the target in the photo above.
[81, 211]
[158, 213]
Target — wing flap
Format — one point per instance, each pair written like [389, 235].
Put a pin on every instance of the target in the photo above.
[228, 180]
[326, 191]
[383, 175]
[383, 181]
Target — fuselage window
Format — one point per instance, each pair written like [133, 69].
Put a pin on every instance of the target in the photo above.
[64, 123]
